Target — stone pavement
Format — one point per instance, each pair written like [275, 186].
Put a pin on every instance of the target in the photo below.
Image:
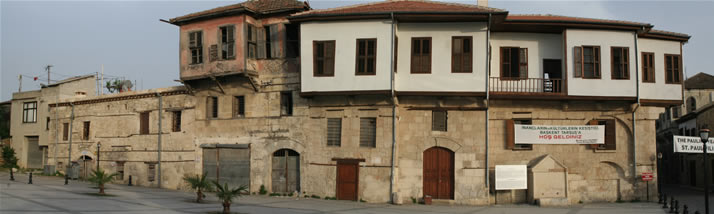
[50, 195]
[691, 196]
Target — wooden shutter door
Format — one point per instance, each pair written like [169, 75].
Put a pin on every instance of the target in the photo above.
[230, 49]
[594, 123]
[510, 138]
[446, 175]
[430, 175]
[261, 42]
[329, 58]
[610, 135]
[578, 61]
[275, 48]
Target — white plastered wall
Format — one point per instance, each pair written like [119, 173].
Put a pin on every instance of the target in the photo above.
[605, 86]
[345, 34]
[659, 89]
[441, 79]
[540, 46]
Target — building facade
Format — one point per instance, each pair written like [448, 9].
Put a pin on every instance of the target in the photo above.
[393, 101]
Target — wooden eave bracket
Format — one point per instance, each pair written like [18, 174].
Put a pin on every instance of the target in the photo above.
[188, 87]
[251, 79]
[218, 84]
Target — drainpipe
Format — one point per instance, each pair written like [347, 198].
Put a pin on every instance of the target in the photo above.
[159, 144]
[56, 132]
[634, 118]
[488, 103]
[394, 112]
[69, 150]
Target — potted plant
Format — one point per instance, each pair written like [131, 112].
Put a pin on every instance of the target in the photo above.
[227, 194]
[198, 183]
[100, 178]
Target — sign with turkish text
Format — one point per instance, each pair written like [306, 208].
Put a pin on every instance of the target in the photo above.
[686, 144]
[647, 176]
[511, 177]
[547, 134]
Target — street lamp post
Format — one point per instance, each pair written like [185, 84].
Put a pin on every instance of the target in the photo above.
[659, 175]
[704, 134]
[99, 144]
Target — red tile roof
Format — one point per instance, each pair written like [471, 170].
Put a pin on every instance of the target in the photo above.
[400, 6]
[668, 33]
[569, 19]
[254, 6]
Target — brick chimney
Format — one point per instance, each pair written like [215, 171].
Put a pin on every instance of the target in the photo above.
[482, 3]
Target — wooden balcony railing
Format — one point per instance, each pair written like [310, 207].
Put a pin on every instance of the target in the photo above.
[525, 85]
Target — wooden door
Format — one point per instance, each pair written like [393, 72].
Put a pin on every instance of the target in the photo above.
[347, 180]
[439, 173]
[286, 171]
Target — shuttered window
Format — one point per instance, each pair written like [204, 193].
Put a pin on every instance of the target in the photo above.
[620, 62]
[151, 172]
[514, 63]
[334, 131]
[510, 134]
[673, 69]
[610, 134]
[461, 54]
[85, 133]
[227, 42]
[144, 123]
[273, 49]
[239, 106]
[65, 131]
[368, 132]
[176, 122]
[648, 68]
[586, 61]
[438, 120]
[323, 58]
[366, 57]
[421, 55]
[252, 40]
[212, 107]
[196, 46]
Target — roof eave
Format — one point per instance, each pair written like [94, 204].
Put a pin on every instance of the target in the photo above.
[183, 21]
[313, 17]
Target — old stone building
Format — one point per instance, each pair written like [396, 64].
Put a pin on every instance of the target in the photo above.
[331, 103]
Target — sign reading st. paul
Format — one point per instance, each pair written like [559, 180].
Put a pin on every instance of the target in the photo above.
[684, 144]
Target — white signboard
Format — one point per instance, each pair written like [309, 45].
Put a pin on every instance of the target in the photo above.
[511, 177]
[684, 144]
[542, 134]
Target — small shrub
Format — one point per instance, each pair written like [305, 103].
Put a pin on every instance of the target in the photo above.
[619, 201]
[414, 201]
[580, 202]
[315, 196]
[636, 200]
[274, 194]
[290, 194]
[262, 190]
[327, 197]
[363, 201]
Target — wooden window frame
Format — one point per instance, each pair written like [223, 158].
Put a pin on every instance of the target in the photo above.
[29, 111]
[434, 122]
[667, 77]
[510, 135]
[239, 106]
[337, 141]
[648, 67]
[212, 107]
[510, 64]
[287, 101]
[227, 43]
[624, 63]
[421, 55]
[176, 121]
[370, 143]
[328, 58]
[197, 47]
[251, 41]
[464, 56]
[597, 62]
[65, 131]
[610, 140]
[366, 57]
[85, 130]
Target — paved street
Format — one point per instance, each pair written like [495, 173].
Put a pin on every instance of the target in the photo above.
[49, 195]
[692, 197]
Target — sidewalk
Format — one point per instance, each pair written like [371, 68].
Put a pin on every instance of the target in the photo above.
[691, 196]
[50, 195]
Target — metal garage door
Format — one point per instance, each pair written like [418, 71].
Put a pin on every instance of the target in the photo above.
[34, 154]
[227, 164]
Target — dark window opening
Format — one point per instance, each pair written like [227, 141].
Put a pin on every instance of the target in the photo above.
[47, 124]
[439, 120]
[286, 103]
[212, 107]
[268, 39]
[120, 170]
[514, 63]
[151, 172]
[620, 63]
[323, 58]
[368, 132]
[673, 69]
[65, 131]
[85, 134]
[196, 47]
[239, 106]
[176, 121]
[366, 57]
[252, 40]
[293, 40]
[610, 134]
[334, 131]
[144, 123]
[227, 42]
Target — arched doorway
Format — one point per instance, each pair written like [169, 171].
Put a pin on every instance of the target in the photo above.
[86, 165]
[439, 173]
[286, 171]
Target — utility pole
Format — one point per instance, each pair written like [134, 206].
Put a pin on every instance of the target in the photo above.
[48, 73]
[19, 78]
[101, 85]
[159, 144]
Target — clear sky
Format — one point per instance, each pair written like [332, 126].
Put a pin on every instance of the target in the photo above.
[77, 37]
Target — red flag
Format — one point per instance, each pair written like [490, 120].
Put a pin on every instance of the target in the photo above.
[35, 78]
